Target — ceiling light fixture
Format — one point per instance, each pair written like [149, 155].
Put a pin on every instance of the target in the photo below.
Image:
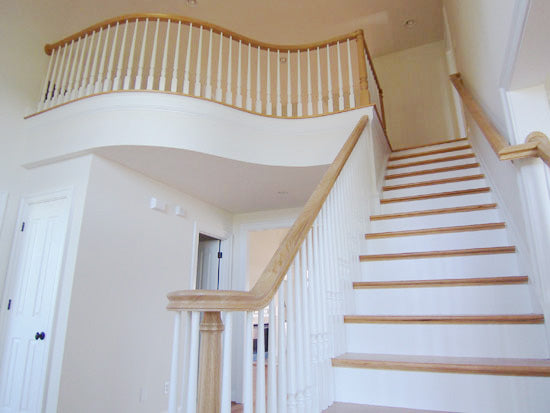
[191, 3]
[409, 23]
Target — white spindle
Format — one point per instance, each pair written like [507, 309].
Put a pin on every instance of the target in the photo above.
[329, 82]
[248, 77]
[288, 87]
[219, 77]
[198, 85]
[306, 323]
[90, 88]
[225, 398]
[172, 395]
[271, 359]
[299, 110]
[208, 88]
[340, 81]
[350, 77]
[258, 86]
[309, 92]
[162, 80]
[79, 81]
[118, 76]
[151, 77]
[126, 84]
[85, 80]
[74, 69]
[239, 97]
[247, 365]
[260, 365]
[279, 102]
[300, 328]
[281, 350]
[47, 82]
[53, 83]
[109, 71]
[319, 84]
[186, 357]
[191, 402]
[174, 84]
[99, 82]
[268, 105]
[291, 343]
[67, 68]
[186, 82]
[312, 310]
[59, 80]
[228, 91]
[137, 84]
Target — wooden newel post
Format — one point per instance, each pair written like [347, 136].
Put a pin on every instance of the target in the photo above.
[210, 363]
[364, 96]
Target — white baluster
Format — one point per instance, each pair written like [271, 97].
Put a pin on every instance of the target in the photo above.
[239, 97]
[228, 91]
[162, 80]
[299, 109]
[291, 345]
[329, 336]
[47, 82]
[248, 75]
[74, 69]
[69, 72]
[247, 365]
[350, 76]
[312, 309]
[172, 395]
[309, 92]
[53, 83]
[118, 76]
[258, 92]
[198, 85]
[151, 77]
[225, 398]
[340, 81]
[59, 81]
[299, 326]
[137, 84]
[191, 402]
[85, 81]
[186, 359]
[109, 71]
[186, 82]
[306, 331]
[219, 97]
[271, 360]
[268, 105]
[329, 82]
[174, 84]
[260, 365]
[208, 88]
[126, 84]
[90, 88]
[279, 102]
[281, 350]
[319, 84]
[288, 87]
[99, 82]
[63, 86]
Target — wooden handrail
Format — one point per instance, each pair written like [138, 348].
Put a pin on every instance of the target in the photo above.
[196, 22]
[380, 91]
[268, 283]
[537, 144]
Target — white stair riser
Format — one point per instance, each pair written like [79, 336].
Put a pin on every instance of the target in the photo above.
[450, 241]
[456, 340]
[430, 189]
[430, 157]
[435, 203]
[438, 220]
[445, 164]
[492, 265]
[432, 147]
[490, 299]
[443, 391]
[432, 176]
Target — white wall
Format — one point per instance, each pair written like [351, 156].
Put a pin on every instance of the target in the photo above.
[119, 334]
[261, 247]
[417, 96]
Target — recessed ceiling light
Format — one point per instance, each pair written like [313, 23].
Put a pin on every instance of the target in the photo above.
[282, 192]
[191, 2]
[282, 59]
[409, 23]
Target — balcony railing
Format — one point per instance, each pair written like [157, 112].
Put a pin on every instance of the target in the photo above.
[180, 55]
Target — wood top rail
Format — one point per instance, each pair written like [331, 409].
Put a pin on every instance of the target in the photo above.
[537, 144]
[195, 22]
[267, 285]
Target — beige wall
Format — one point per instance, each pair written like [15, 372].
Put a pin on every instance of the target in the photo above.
[417, 96]
[261, 246]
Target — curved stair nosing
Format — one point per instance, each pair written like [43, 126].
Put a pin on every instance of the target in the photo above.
[445, 319]
[432, 152]
[430, 161]
[440, 230]
[438, 254]
[434, 182]
[467, 208]
[446, 282]
[430, 144]
[433, 171]
[436, 195]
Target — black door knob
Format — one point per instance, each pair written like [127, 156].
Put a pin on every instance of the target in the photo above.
[40, 336]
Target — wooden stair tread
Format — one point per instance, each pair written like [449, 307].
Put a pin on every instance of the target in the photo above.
[440, 230]
[444, 364]
[467, 208]
[434, 182]
[430, 144]
[430, 161]
[432, 152]
[436, 195]
[446, 282]
[438, 254]
[433, 171]
[339, 407]
[445, 319]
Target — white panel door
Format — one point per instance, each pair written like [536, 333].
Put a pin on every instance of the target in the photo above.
[207, 269]
[31, 298]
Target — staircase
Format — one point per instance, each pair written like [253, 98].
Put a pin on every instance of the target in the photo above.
[444, 319]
